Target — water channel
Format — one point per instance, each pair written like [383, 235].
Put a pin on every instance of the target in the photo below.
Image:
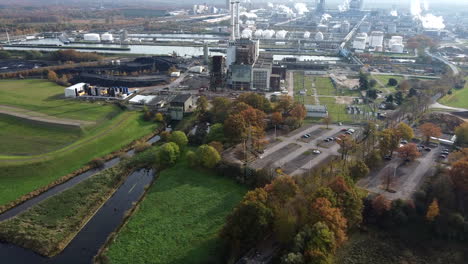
[86, 244]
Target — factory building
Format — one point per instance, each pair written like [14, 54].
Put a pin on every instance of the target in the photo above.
[93, 37]
[246, 69]
[376, 39]
[356, 5]
[396, 44]
[360, 41]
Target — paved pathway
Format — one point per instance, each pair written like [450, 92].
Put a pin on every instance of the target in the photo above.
[40, 117]
[441, 106]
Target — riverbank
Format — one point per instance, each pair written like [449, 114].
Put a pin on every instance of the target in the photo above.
[179, 219]
[49, 226]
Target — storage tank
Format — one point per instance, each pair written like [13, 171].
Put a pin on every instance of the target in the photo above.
[281, 34]
[397, 39]
[397, 48]
[258, 33]
[268, 34]
[107, 37]
[92, 37]
[246, 33]
[306, 34]
[319, 36]
[322, 28]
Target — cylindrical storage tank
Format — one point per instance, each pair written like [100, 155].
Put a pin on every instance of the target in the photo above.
[92, 37]
[319, 36]
[281, 34]
[397, 48]
[107, 37]
[306, 34]
[258, 33]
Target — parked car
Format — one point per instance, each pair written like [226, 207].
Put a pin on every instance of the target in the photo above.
[306, 136]
[427, 149]
[316, 151]
[404, 142]
[442, 156]
[388, 157]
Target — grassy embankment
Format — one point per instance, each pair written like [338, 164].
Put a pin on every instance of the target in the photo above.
[383, 79]
[458, 98]
[20, 137]
[179, 219]
[49, 226]
[20, 175]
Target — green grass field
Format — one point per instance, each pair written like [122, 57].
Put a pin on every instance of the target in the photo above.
[458, 98]
[67, 149]
[47, 97]
[179, 220]
[324, 86]
[23, 137]
[46, 226]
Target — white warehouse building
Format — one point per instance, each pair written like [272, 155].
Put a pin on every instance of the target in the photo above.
[92, 37]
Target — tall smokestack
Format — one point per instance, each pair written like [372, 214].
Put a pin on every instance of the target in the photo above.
[237, 21]
[233, 26]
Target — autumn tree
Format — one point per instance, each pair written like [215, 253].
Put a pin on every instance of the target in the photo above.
[404, 86]
[255, 100]
[217, 145]
[327, 120]
[235, 128]
[462, 134]
[322, 211]
[281, 190]
[249, 222]
[52, 76]
[358, 170]
[380, 204]
[432, 210]
[220, 109]
[429, 130]
[284, 104]
[388, 141]
[346, 144]
[459, 175]
[348, 200]
[405, 131]
[158, 117]
[408, 152]
[202, 105]
[298, 112]
[277, 118]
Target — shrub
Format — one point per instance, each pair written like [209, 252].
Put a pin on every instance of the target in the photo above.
[97, 163]
[141, 146]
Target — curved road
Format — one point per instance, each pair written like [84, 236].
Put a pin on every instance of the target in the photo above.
[443, 60]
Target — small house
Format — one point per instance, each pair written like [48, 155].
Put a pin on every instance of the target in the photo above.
[181, 104]
[75, 90]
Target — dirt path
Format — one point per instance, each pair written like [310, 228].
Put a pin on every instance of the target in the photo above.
[40, 117]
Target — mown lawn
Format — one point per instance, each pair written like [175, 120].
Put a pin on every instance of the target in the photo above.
[23, 137]
[48, 98]
[458, 98]
[324, 86]
[46, 226]
[179, 220]
[21, 175]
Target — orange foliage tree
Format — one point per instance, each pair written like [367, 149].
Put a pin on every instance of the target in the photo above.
[323, 211]
[408, 152]
[432, 210]
[429, 130]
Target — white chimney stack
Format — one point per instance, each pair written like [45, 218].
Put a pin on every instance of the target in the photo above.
[233, 27]
[238, 35]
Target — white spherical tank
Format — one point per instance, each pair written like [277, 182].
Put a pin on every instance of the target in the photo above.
[281, 34]
[258, 33]
[246, 33]
[268, 34]
[92, 37]
[306, 34]
[319, 36]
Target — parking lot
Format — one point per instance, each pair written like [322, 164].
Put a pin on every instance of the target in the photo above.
[404, 177]
[296, 153]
